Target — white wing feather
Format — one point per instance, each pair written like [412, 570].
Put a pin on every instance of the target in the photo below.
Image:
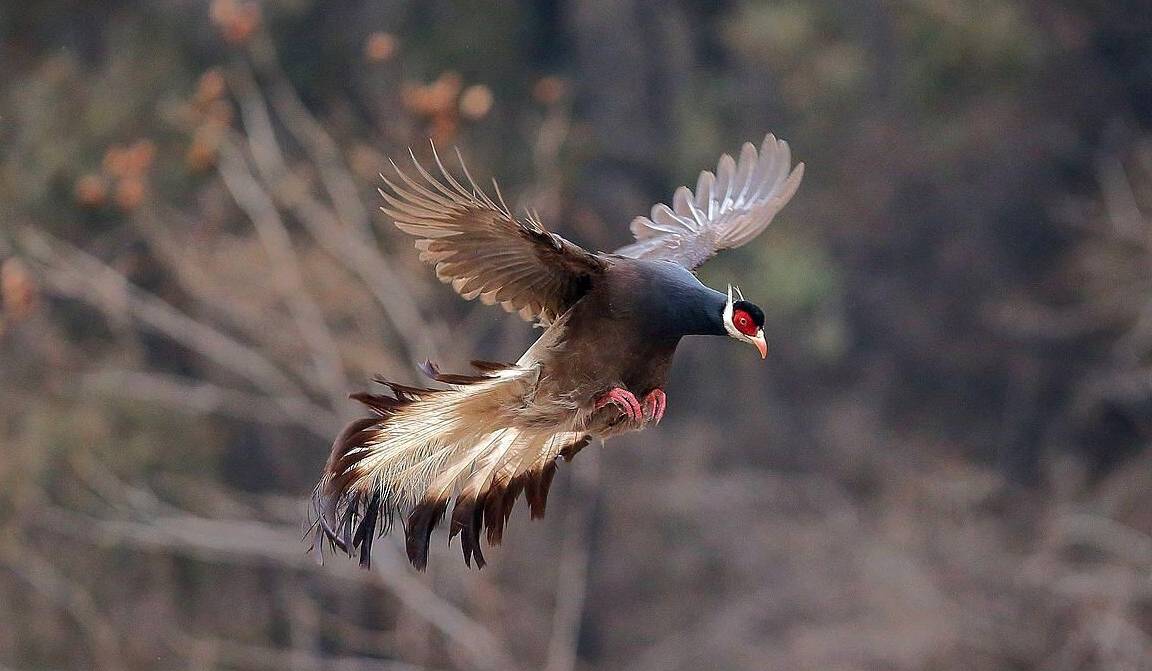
[728, 209]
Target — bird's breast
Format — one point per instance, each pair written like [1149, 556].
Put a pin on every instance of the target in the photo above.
[600, 350]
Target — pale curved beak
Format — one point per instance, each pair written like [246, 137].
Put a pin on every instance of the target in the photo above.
[760, 343]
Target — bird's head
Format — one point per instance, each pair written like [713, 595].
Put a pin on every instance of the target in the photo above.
[744, 321]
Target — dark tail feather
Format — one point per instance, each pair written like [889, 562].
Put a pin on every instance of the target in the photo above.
[486, 368]
[384, 406]
[333, 496]
[418, 533]
[335, 509]
[366, 532]
[433, 371]
[570, 452]
[536, 489]
[347, 519]
[349, 515]
[490, 366]
[468, 521]
[498, 508]
[537, 492]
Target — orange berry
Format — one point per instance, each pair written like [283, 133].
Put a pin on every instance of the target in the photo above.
[130, 193]
[549, 90]
[17, 290]
[380, 47]
[140, 156]
[476, 101]
[90, 191]
[115, 161]
[210, 87]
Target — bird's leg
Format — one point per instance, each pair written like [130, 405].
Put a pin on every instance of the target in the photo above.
[623, 399]
[654, 404]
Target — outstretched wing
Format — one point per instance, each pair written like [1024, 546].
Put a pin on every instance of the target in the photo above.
[484, 252]
[728, 209]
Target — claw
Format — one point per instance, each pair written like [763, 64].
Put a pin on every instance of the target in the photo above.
[654, 404]
[623, 399]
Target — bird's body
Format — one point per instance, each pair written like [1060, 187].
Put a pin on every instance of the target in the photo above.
[623, 333]
[613, 322]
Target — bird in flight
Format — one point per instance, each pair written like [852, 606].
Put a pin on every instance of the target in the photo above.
[612, 323]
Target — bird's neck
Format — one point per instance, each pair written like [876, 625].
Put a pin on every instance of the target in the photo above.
[666, 301]
[698, 311]
[708, 319]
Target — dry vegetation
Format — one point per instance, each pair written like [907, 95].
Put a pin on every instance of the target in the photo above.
[942, 465]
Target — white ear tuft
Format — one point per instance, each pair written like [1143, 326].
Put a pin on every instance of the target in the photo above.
[728, 310]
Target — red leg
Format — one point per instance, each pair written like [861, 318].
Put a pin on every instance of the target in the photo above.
[654, 404]
[623, 399]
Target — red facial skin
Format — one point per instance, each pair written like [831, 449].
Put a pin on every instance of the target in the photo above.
[744, 323]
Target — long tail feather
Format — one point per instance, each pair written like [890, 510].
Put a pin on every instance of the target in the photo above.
[424, 447]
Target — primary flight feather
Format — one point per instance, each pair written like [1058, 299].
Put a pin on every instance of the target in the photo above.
[613, 322]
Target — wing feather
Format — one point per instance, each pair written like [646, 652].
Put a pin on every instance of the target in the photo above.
[729, 208]
[478, 247]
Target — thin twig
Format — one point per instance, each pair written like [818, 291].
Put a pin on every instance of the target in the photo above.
[572, 575]
[224, 653]
[320, 146]
[347, 241]
[199, 397]
[1123, 541]
[73, 273]
[39, 574]
[285, 270]
[248, 541]
[196, 277]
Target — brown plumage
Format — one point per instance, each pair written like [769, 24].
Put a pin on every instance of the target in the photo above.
[613, 323]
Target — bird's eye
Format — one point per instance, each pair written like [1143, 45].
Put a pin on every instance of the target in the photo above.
[744, 323]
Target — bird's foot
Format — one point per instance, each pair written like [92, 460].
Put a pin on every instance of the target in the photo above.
[624, 400]
[654, 404]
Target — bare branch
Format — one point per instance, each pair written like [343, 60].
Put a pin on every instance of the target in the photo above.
[71, 272]
[195, 396]
[197, 278]
[1123, 541]
[285, 269]
[350, 242]
[322, 149]
[223, 653]
[572, 576]
[38, 573]
[254, 542]
[1128, 222]
[727, 622]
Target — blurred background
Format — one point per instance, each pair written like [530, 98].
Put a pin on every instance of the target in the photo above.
[942, 465]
